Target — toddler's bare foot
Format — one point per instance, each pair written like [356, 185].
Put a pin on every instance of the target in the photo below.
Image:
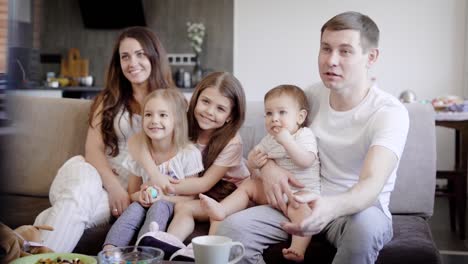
[214, 209]
[291, 254]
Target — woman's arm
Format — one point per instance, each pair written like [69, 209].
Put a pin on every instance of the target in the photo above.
[95, 155]
[134, 187]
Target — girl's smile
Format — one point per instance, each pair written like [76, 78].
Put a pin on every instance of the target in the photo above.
[158, 120]
[212, 110]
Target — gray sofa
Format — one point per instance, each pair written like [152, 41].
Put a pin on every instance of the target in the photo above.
[51, 130]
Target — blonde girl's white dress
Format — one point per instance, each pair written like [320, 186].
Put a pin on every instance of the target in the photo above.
[77, 196]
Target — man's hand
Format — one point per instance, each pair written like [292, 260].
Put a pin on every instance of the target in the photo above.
[118, 199]
[257, 158]
[323, 212]
[276, 182]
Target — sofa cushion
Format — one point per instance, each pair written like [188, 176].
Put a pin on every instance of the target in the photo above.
[412, 242]
[92, 240]
[253, 129]
[48, 132]
[17, 210]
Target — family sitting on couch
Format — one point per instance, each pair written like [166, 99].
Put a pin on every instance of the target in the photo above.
[327, 165]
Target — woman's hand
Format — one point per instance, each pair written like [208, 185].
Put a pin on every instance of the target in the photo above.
[118, 199]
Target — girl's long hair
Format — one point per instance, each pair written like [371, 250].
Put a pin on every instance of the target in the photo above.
[118, 93]
[230, 87]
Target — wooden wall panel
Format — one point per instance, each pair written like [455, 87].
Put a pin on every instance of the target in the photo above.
[3, 34]
[37, 10]
[61, 28]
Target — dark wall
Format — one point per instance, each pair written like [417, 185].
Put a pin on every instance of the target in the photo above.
[62, 28]
[23, 59]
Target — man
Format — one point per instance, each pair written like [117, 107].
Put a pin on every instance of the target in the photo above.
[361, 132]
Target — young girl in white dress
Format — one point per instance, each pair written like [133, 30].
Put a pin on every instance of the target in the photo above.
[166, 139]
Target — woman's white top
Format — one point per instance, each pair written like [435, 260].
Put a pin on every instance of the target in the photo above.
[124, 131]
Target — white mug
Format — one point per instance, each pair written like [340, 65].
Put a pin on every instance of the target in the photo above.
[215, 250]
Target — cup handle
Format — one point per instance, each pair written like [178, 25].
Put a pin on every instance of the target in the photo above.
[236, 259]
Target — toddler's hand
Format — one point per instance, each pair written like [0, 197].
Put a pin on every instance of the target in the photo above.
[282, 135]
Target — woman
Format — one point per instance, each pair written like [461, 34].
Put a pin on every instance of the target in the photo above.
[87, 191]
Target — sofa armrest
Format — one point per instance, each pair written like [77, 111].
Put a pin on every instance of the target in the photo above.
[415, 184]
[48, 131]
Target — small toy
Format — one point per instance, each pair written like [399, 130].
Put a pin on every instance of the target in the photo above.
[152, 191]
[23, 241]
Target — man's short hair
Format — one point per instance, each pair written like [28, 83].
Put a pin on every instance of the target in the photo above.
[356, 21]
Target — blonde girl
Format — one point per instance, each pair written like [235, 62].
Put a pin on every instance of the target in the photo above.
[166, 139]
[216, 113]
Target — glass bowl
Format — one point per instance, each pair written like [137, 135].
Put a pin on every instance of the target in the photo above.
[131, 255]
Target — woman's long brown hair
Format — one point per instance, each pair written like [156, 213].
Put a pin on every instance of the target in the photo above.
[230, 87]
[118, 93]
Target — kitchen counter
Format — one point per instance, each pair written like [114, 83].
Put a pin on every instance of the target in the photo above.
[83, 92]
[86, 88]
[66, 88]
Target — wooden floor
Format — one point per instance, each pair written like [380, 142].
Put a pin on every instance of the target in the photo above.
[452, 249]
[440, 227]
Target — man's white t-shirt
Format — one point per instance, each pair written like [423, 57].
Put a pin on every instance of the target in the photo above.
[344, 138]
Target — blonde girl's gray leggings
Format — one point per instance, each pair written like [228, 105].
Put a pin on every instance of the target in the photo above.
[358, 238]
[135, 219]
